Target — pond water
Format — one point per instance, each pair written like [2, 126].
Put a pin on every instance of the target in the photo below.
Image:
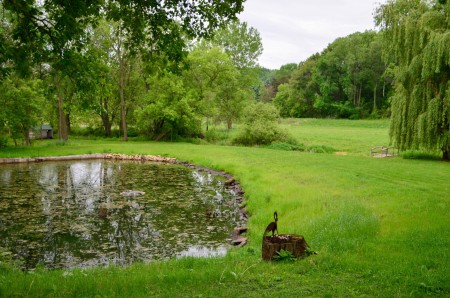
[76, 214]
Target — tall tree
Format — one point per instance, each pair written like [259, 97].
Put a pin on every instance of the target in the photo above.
[101, 80]
[214, 79]
[39, 27]
[22, 105]
[167, 109]
[242, 43]
[296, 98]
[417, 39]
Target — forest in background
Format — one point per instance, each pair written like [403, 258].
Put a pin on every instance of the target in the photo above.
[108, 88]
[176, 70]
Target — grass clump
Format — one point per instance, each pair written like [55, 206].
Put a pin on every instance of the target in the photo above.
[286, 147]
[421, 155]
[301, 148]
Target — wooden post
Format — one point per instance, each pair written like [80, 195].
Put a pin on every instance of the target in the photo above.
[296, 244]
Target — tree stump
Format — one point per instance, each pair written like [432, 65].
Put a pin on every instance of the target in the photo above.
[295, 244]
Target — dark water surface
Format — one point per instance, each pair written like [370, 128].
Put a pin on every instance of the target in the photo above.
[72, 214]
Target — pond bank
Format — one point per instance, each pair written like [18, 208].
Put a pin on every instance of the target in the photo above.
[152, 158]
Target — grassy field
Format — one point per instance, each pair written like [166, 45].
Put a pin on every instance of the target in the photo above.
[381, 227]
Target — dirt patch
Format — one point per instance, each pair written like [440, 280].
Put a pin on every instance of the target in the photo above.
[341, 153]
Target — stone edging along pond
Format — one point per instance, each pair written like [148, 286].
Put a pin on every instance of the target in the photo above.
[230, 183]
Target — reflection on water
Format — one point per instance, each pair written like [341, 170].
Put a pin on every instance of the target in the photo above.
[71, 214]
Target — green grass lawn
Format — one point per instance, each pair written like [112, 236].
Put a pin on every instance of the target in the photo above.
[381, 227]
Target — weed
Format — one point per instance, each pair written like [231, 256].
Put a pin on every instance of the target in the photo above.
[421, 155]
[284, 256]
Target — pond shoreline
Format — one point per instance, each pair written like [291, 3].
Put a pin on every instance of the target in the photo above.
[231, 184]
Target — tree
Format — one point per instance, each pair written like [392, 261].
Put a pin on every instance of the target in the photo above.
[241, 43]
[167, 109]
[215, 81]
[417, 38]
[101, 79]
[22, 105]
[40, 27]
[296, 98]
[281, 76]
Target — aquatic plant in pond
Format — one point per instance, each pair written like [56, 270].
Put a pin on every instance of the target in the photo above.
[78, 214]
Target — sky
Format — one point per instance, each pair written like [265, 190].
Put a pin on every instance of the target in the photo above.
[293, 30]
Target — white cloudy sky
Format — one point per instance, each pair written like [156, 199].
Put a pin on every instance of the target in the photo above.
[293, 30]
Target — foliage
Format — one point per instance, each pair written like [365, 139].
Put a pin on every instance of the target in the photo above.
[420, 155]
[22, 105]
[242, 43]
[296, 98]
[286, 147]
[417, 35]
[344, 81]
[40, 28]
[261, 126]
[3, 141]
[167, 110]
[284, 256]
[214, 81]
[276, 78]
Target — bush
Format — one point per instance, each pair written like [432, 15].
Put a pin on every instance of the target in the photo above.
[213, 135]
[421, 155]
[320, 149]
[260, 126]
[286, 147]
[3, 142]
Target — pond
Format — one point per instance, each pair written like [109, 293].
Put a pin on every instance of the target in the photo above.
[80, 214]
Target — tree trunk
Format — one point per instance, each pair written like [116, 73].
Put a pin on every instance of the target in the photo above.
[122, 73]
[229, 124]
[68, 124]
[104, 115]
[26, 136]
[106, 124]
[445, 155]
[123, 115]
[359, 95]
[375, 97]
[295, 244]
[62, 120]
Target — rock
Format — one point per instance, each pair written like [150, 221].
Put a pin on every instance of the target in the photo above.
[229, 182]
[240, 241]
[237, 239]
[132, 193]
[103, 212]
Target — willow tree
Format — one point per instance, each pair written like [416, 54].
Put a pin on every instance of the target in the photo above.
[417, 40]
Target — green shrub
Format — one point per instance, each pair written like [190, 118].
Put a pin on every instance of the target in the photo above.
[284, 256]
[3, 142]
[213, 135]
[261, 127]
[421, 155]
[320, 149]
[286, 147]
